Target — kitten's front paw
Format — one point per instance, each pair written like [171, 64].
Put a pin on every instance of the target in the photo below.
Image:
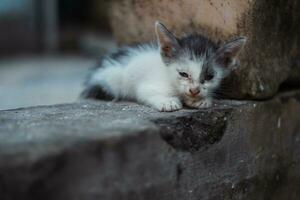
[168, 104]
[205, 103]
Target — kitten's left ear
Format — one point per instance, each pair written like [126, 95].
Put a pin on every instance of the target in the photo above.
[167, 41]
[227, 54]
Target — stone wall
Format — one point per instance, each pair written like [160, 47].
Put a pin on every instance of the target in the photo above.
[271, 26]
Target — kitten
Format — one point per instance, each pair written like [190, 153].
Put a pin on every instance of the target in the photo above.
[177, 71]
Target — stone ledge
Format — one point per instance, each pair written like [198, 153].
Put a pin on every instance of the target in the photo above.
[98, 150]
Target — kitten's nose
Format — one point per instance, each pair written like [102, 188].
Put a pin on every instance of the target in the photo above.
[194, 91]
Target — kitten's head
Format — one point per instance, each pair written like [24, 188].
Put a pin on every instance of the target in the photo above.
[196, 64]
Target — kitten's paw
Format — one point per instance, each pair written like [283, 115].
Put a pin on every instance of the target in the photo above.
[205, 103]
[168, 104]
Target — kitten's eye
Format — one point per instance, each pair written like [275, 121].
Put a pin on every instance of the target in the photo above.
[183, 74]
[208, 77]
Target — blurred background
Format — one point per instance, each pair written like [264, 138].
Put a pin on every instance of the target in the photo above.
[47, 48]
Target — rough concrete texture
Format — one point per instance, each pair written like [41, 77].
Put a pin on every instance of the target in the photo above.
[294, 78]
[114, 151]
[271, 26]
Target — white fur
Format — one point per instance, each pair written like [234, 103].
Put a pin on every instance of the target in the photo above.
[143, 77]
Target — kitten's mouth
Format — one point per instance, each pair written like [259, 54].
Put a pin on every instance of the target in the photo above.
[193, 97]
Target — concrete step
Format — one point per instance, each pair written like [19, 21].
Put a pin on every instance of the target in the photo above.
[103, 150]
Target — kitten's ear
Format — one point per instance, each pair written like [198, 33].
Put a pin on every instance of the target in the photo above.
[227, 54]
[167, 41]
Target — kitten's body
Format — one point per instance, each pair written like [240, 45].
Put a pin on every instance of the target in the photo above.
[161, 76]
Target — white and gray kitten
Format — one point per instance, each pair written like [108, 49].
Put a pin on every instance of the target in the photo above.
[177, 71]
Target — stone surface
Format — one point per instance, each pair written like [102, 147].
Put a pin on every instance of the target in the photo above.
[271, 26]
[103, 150]
[294, 78]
